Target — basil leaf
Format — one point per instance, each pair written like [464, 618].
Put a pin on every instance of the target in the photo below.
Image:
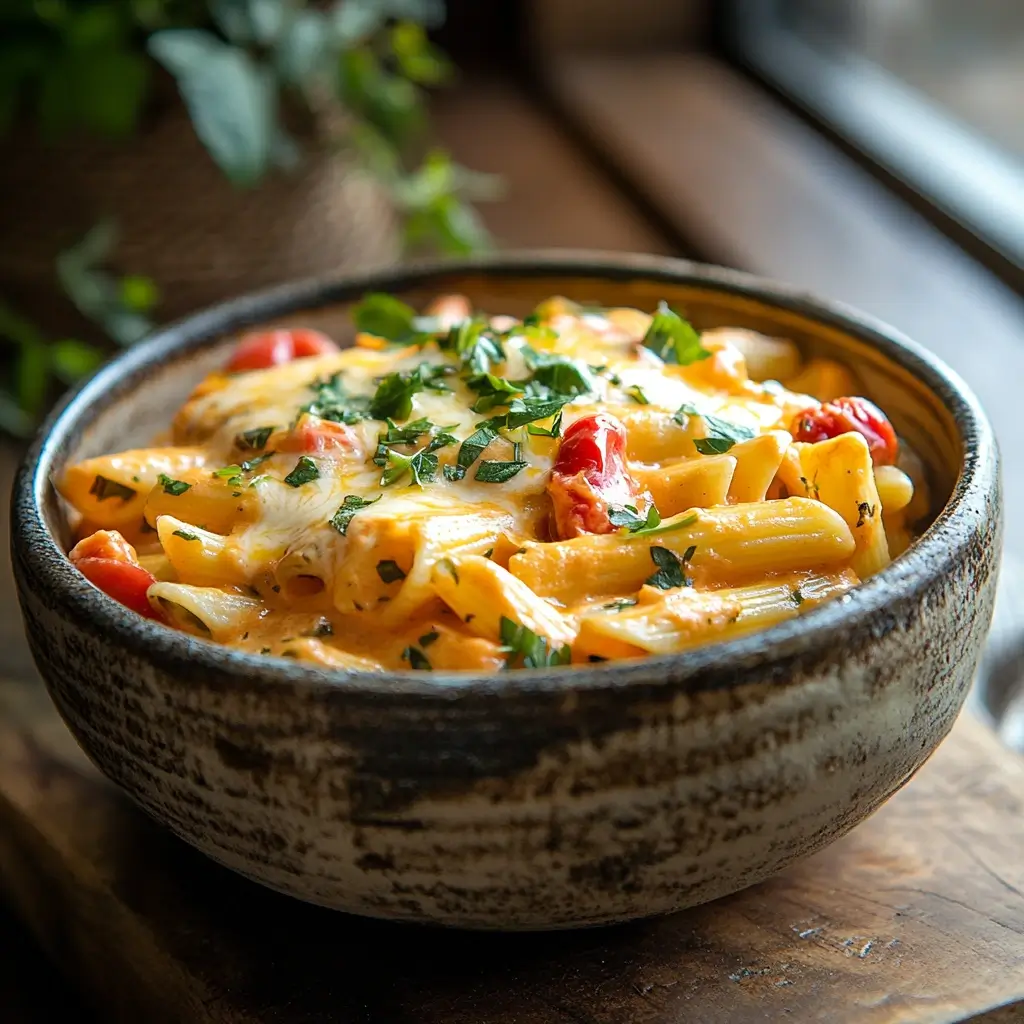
[721, 434]
[254, 440]
[174, 487]
[334, 403]
[102, 489]
[351, 504]
[627, 516]
[638, 394]
[185, 535]
[390, 571]
[554, 431]
[475, 344]
[674, 339]
[670, 569]
[534, 651]
[428, 638]
[474, 445]
[529, 410]
[498, 472]
[386, 317]
[561, 374]
[492, 391]
[304, 472]
[394, 394]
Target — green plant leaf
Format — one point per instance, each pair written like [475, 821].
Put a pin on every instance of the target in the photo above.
[417, 58]
[392, 104]
[71, 359]
[250, 21]
[139, 294]
[303, 46]
[111, 87]
[232, 100]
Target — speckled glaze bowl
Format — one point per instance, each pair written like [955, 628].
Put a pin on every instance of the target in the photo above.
[544, 799]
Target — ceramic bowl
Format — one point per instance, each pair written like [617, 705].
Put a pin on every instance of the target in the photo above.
[532, 800]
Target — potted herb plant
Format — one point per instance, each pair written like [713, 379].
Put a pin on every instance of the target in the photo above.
[204, 147]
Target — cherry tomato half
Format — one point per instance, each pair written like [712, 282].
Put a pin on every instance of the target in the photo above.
[104, 544]
[263, 349]
[313, 436]
[123, 581]
[846, 415]
[594, 446]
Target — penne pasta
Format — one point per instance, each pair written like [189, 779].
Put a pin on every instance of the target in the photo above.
[464, 490]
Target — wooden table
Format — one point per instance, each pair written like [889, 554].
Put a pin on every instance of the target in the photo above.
[918, 915]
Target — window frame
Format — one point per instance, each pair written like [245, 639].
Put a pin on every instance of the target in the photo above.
[967, 184]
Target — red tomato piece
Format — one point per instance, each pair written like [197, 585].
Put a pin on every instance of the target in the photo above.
[846, 415]
[314, 436]
[104, 544]
[263, 349]
[590, 476]
[123, 581]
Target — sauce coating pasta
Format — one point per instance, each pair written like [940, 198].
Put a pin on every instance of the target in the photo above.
[458, 491]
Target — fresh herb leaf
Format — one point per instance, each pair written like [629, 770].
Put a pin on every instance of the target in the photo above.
[333, 402]
[498, 472]
[386, 317]
[185, 535]
[409, 434]
[638, 394]
[522, 643]
[475, 344]
[561, 374]
[305, 472]
[428, 638]
[529, 410]
[491, 390]
[670, 569]
[474, 445]
[351, 504]
[417, 659]
[102, 488]
[449, 566]
[422, 465]
[555, 429]
[254, 440]
[174, 487]
[798, 597]
[667, 527]
[394, 394]
[619, 603]
[721, 434]
[390, 571]
[674, 339]
[627, 516]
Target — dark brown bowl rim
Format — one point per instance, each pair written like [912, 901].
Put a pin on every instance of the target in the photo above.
[868, 607]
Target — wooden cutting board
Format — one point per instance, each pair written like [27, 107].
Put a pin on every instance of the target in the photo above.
[918, 915]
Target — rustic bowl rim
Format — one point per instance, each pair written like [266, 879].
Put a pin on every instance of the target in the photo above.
[932, 555]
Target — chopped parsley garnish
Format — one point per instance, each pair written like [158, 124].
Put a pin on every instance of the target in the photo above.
[721, 434]
[674, 339]
[170, 486]
[492, 391]
[234, 472]
[333, 402]
[449, 567]
[184, 535]
[529, 410]
[421, 465]
[498, 472]
[254, 440]
[555, 430]
[561, 374]
[428, 638]
[638, 394]
[627, 516]
[322, 627]
[103, 488]
[519, 642]
[386, 317]
[351, 504]
[475, 344]
[390, 571]
[670, 568]
[394, 394]
[411, 432]
[417, 659]
[619, 603]
[471, 449]
[304, 472]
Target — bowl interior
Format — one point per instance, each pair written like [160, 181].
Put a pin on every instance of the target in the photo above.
[138, 403]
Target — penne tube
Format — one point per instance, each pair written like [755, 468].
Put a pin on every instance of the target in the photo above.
[839, 473]
[661, 623]
[160, 566]
[205, 611]
[729, 543]
[197, 555]
[325, 655]
[653, 436]
[825, 379]
[217, 504]
[702, 482]
[111, 490]
[757, 462]
[481, 593]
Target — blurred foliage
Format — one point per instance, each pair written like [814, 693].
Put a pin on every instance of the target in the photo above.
[360, 66]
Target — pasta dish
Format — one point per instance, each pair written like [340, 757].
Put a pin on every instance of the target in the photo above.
[464, 491]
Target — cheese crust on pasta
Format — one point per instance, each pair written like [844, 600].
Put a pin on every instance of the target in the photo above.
[465, 491]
